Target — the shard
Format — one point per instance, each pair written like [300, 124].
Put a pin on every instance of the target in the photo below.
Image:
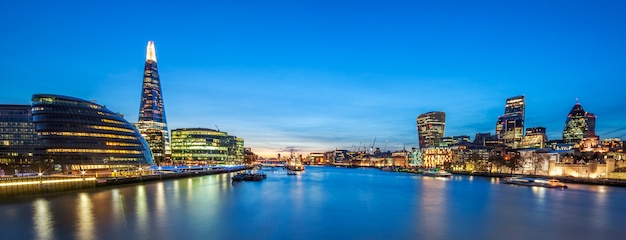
[152, 123]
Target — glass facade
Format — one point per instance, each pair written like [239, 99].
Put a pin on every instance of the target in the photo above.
[18, 140]
[578, 125]
[510, 127]
[430, 128]
[79, 132]
[152, 123]
[205, 146]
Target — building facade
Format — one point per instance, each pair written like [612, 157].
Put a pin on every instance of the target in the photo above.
[430, 128]
[82, 135]
[535, 138]
[510, 126]
[578, 125]
[206, 146]
[152, 122]
[18, 140]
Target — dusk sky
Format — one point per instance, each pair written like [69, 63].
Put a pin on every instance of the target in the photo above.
[320, 75]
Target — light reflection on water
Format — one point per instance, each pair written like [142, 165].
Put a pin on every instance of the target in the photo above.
[42, 218]
[322, 203]
[84, 217]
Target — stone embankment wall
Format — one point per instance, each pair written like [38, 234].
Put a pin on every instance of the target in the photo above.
[23, 186]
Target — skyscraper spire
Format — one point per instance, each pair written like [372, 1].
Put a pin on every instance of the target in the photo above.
[150, 52]
[152, 123]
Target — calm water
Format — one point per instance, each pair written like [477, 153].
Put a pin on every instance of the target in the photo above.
[323, 203]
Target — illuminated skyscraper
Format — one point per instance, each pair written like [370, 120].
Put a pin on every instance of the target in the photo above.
[578, 125]
[430, 128]
[510, 127]
[152, 123]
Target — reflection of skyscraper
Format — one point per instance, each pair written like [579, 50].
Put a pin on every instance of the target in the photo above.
[430, 128]
[578, 125]
[510, 127]
[152, 123]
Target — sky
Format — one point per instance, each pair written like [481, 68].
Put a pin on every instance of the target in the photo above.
[322, 75]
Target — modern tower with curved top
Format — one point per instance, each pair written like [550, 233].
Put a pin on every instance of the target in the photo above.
[430, 128]
[152, 123]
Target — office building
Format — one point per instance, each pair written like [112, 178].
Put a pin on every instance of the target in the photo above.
[152, 123]
[510, 126]
[430, 128]
[206, 146]
[578, 125]
[18, 140]
[80, 134]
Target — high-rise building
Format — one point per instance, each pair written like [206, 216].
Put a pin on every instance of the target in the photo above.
[430, 128]
[510, 126]
[81, 135]
[19, 144]
[578, 125]
[152, 123]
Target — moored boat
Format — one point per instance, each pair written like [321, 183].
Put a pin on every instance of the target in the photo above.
[536, 182]
[440, 173]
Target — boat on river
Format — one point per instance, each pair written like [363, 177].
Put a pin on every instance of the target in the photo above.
[535, 182]
[249, 177]
[440, 173]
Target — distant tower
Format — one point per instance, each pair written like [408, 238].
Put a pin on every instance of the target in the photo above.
[152, 123]
[430, 128]
[578, 125]
[510, 127]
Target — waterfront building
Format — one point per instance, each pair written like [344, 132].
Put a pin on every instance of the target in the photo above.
[81, 135]
[152, 123]
[205, 146]
[415, 158]
[535, 138]
[434, 157]
[510, 126]
[19, 144]
[578, 125]
[430, 128]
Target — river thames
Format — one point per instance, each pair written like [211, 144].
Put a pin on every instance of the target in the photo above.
[322, 203]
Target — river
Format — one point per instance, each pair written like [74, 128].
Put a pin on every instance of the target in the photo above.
[322, 203]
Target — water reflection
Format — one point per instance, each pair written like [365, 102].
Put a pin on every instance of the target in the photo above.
[141, 210]
[84, 217]
[42, 219]
[322, 203]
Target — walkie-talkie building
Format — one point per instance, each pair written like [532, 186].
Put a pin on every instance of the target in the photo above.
[430, 128]
[510, 127]
[152, 123]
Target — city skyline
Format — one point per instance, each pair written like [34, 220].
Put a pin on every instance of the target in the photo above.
[321, 76]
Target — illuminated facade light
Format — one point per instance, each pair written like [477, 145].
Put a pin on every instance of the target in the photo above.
[152, 122]
[78, 132]
[202, 145]
[510, 126]
[578, 125]
[430, 128]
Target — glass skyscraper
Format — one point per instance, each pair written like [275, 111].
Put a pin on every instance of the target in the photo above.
[578, 125]
[510, 127]
[430, 128]
[152, 123]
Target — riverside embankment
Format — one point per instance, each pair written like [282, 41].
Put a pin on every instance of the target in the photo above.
[23, 187]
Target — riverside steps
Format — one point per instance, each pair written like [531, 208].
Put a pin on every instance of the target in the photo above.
[12, 188]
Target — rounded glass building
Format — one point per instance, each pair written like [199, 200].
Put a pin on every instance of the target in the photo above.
[83, 135]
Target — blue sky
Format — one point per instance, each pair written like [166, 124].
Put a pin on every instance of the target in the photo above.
[320, 75]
